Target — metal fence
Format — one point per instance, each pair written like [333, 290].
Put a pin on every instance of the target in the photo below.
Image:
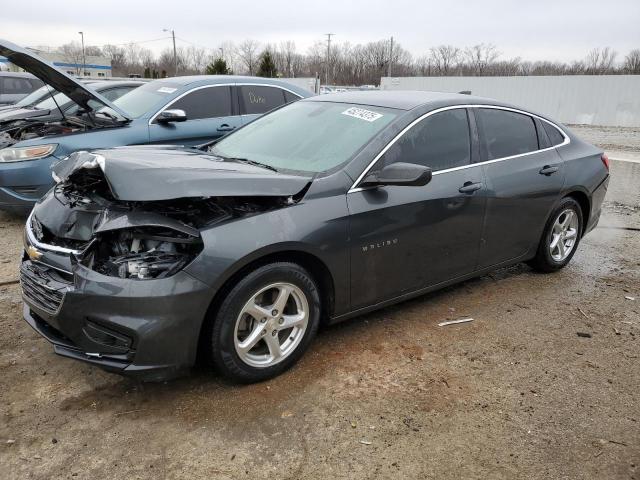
[612, 100]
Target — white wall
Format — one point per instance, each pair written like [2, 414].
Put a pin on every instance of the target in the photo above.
[579, 99]
[308, 83]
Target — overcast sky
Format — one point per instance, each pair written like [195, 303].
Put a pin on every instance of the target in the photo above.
[534, 30]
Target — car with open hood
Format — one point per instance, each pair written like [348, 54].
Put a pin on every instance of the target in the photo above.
[52, 108]
[180, 110]
[142, 259]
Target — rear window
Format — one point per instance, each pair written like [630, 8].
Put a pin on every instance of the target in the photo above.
[506, 133]
[554, 134]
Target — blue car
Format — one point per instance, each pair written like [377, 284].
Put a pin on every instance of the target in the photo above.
[180, 110]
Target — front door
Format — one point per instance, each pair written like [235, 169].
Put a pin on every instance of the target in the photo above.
[210, 115]
[407, 238]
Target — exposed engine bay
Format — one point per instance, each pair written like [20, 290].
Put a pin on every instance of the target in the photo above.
[20, 130]
[137, 240]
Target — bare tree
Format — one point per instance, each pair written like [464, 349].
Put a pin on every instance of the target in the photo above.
[116, 54]
[480, 56]
[93, 51]
[632, 62]
[287, 52]
[197, 58]
[444, 58]
[72, 53]
[600, 60]
[248, 53]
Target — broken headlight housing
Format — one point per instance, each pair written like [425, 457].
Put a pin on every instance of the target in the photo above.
[142, 253]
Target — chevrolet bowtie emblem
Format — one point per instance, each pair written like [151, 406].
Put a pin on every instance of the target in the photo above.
[34, 253]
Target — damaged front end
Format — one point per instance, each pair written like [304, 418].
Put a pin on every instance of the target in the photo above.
[130, 239]
[104, 275]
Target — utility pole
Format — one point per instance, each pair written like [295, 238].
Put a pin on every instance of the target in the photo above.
[175, 54]
[84, 60]
[329, 35]
[390, 59]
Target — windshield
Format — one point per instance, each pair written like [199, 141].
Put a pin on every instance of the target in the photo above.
[49, 104]
[139, 101]
[35, 96]
[307, 136]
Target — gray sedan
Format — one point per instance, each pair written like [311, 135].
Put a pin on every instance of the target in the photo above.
[142, 259]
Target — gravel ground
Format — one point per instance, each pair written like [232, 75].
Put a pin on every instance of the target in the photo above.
[544, 383]
[625, 139]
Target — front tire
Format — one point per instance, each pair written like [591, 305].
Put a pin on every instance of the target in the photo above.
[561, 237]
[265, 323]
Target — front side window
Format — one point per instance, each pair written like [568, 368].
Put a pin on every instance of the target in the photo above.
[210, 102]
[256, 99]
[440, 141]
[307, 136]
[506, 133]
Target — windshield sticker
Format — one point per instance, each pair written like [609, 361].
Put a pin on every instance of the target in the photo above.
[167, 90]
[362, 114]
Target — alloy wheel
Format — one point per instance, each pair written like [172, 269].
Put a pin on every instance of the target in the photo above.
[564, 235]
[271, 325]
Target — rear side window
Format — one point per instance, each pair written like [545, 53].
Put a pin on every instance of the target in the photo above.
[259, 99]
[15, 86]
[554, 134]
[290, 97]
[440, 141]
[205, 103]
[36, 83]
[506, 133]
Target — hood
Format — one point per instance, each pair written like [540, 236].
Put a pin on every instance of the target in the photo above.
[165, 173]
[50, 75]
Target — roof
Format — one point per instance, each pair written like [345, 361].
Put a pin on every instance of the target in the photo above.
[402, 99]
[113, 83]
[186, 80]
[16, 74]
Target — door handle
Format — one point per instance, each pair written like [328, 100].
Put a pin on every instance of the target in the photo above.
[470, 187]
[225, 127]
[548, 170]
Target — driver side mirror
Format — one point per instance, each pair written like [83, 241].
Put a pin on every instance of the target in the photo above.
[169, 116]
[400, 174]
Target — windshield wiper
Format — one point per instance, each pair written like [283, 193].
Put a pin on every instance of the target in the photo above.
[250, 162]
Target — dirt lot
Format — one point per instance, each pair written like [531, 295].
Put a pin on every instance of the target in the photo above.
[623, 139]
[515, 394]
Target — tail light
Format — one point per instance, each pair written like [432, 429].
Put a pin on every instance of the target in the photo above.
[605, 161]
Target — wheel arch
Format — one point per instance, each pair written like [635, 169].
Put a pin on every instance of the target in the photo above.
[310, 262]
[585, 205]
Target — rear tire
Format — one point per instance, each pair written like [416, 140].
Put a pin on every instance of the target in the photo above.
[560, 238]
[266, 323]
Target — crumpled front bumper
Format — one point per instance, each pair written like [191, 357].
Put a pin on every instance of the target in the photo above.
[144, 328]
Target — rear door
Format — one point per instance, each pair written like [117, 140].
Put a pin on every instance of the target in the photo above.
[524, 180]
[210, 115]
[406, 238]
[256, 100]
